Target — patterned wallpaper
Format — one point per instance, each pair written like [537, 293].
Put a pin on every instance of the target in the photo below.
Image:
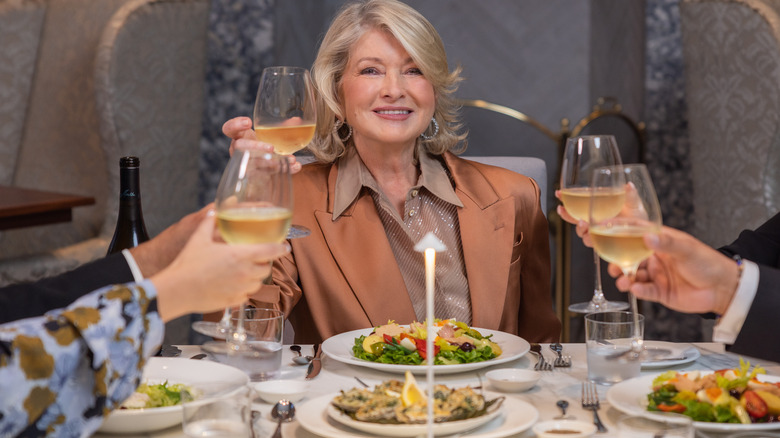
[241, 44]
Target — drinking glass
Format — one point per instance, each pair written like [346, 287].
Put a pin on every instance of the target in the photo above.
[254, 205]
[219, 412]
[581, 157]
[285, 114]
[620, 239]
[608, 335]
[261, 355]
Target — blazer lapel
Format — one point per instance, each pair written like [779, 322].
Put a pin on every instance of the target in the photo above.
[487, 234]
[359, 246]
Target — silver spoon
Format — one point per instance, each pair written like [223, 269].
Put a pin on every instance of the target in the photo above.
[562, 404]
[299, 359]
[282, 411]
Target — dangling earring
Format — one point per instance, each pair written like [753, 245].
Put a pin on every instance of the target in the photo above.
[337, 126]
[435, 130]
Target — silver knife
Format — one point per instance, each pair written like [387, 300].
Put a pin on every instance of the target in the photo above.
[316, 364]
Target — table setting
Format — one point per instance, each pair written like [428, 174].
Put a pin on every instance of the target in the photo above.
[521, 410]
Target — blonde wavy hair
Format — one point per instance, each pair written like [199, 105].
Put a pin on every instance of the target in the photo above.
[423, 44]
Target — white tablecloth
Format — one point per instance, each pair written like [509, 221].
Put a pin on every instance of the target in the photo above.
[560, 384]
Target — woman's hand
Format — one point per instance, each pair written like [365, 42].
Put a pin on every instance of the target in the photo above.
[241, 134]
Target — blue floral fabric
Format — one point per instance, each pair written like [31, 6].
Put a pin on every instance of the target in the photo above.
[61, 373]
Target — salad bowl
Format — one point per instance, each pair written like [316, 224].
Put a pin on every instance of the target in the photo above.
[196, 374]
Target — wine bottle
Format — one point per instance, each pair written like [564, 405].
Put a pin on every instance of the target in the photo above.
[130, 229]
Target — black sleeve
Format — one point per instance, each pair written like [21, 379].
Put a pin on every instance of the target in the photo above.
[25, 300]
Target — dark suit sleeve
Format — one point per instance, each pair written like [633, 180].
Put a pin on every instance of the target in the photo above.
[758, 338]
[26, 300]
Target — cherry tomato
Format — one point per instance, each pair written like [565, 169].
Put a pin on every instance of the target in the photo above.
[754, 405]
[671, 408]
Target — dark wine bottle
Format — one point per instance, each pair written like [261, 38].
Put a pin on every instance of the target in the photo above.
[130, 229]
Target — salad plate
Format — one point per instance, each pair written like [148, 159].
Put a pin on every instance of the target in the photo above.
[514, 416]
[339, 347]
[196, 374]
[679, 354]
[630, 397]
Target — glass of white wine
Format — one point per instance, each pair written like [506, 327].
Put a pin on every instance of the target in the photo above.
[619, 239]
[254, 205]
[285, 114]
[581, 157]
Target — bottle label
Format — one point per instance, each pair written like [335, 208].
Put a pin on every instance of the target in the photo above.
[127, 193]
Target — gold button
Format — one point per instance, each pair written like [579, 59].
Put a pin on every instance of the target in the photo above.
[411, 213]
[415, 192]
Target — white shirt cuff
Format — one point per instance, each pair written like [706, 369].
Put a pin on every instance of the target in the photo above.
[137, 275]
[730, 323]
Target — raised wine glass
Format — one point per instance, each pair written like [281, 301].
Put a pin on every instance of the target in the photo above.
[285, 114]
[254, 205]
[619, 239]
[581, 157]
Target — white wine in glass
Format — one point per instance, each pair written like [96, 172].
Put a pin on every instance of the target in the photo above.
[620, 239]
[254, 205]
[285, 114]
[581, 157]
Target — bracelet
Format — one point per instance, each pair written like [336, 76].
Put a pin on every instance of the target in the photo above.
[740, 265]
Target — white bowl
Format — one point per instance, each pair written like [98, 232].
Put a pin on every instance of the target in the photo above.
[513, 379]
[556, 428]
[195, 373]
[272, 391]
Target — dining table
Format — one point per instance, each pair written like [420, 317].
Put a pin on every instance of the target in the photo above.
[23, 207]
[561, 383]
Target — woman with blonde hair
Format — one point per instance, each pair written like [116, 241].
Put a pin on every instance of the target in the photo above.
[385, 175]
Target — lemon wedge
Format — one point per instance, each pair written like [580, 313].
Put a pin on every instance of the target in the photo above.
[411, 394]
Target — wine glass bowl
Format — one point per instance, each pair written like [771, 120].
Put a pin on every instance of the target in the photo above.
[285, 114]
[619, 239]
[581, 157]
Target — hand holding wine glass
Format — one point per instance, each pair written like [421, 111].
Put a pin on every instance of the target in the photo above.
[620, 239]
[582, 156]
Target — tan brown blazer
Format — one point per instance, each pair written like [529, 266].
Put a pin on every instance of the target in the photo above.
[344, 275]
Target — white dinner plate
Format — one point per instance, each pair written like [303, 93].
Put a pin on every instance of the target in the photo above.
[630, 397]
[681, 354]
[174, 370]
[514, 416]
[339, 347]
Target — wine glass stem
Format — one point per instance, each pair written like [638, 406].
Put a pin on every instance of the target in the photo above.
[225, 321]
[598, 293]
[636, 343]
[239, 336]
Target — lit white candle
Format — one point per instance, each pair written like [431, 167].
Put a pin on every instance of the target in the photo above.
[429, 244]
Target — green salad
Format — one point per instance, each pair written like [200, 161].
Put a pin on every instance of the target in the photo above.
[158, 395]
[455, 343]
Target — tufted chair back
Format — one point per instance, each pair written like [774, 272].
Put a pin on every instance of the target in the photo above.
[732, 72]
[110, 78]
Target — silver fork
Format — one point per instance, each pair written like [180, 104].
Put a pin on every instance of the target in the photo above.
[560, 360]
[541, 363]
[590, 401]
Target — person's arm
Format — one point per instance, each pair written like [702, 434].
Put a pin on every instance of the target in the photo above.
[68, 359]
[26, 300]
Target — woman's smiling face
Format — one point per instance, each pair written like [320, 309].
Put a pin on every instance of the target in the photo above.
[387, 100]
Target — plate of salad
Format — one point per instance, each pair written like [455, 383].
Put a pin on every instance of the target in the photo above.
[156, 404]
[396, 348]
[742, 398]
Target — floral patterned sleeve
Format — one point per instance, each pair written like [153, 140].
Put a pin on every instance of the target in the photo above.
[61, 373]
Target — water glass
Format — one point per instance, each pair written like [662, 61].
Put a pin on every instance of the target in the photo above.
[674, 426]
[219, 411]
[607, 335]
[261, 355]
